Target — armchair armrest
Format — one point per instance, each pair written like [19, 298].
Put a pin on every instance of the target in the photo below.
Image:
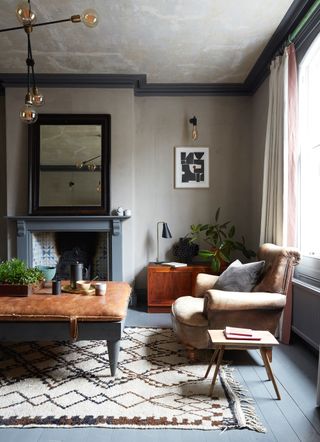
[204, 282]
[215, 300]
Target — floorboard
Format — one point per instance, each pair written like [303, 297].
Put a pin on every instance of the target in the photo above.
[302, 363]
[140, 318]
[294, 418]
[276, 425]
[62, 435]
[289, 407]
[10, 435]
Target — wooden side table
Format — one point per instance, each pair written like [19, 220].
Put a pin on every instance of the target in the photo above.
[166, 284]
[221, 343]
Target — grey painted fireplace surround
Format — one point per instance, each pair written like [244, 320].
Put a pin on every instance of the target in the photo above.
[26, 226]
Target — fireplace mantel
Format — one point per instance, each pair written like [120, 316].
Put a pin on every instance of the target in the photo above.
[26, 225]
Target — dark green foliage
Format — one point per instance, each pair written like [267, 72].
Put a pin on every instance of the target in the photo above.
[15, 271]
[221, 239]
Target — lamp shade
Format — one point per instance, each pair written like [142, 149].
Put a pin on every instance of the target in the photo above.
[166, 231]
[28, 114]
[24, 14]
[165, 234]
[37, 97]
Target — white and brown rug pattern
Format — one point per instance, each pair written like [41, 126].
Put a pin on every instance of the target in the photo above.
[69, 384]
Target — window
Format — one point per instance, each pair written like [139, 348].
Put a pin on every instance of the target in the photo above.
[309, 92]
[309, 122]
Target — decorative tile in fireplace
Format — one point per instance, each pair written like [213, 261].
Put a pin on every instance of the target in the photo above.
[44, 249]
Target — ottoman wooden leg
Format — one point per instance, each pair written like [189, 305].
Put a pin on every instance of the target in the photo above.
[113, 350]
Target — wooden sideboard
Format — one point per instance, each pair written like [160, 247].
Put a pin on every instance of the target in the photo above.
[165, 284]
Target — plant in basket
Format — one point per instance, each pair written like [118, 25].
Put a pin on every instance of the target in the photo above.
[16, 279]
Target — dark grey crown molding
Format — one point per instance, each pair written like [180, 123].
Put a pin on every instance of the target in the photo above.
[136, 82]
[258, 74]
[260, 70]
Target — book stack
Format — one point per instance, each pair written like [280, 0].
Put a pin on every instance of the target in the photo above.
[244, 334]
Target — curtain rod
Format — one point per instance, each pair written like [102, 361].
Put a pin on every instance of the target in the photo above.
[303, 22]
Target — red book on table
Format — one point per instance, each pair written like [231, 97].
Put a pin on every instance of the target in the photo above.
[242, 337]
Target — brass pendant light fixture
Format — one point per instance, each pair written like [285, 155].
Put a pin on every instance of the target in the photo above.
[194, 132]
[27, 18]
[88, 163]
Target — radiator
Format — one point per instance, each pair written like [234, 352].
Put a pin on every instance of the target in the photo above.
[306, 313]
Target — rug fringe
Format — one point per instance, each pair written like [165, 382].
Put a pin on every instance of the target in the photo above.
[243, 407]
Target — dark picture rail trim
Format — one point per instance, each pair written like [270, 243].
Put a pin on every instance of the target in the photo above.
[141, 87]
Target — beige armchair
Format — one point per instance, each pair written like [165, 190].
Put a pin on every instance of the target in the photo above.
[259, 309]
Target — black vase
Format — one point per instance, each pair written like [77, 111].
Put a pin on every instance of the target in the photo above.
[184, 251]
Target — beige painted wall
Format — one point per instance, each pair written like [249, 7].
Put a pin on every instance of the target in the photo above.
[162, 123]
[117, 102]
[144, 131]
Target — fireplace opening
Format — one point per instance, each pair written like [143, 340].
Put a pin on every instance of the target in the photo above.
[65, 248]
[74, 247]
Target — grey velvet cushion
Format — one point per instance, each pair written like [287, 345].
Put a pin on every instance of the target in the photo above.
[240, 277]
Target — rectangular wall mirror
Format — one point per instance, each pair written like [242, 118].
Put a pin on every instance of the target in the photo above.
[69, 165]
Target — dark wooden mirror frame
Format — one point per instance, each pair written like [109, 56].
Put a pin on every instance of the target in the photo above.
[34, 163]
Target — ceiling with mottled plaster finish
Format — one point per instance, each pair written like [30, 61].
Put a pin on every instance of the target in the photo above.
[171, 41]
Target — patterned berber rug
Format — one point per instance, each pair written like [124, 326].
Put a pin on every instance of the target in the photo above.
[54, 384]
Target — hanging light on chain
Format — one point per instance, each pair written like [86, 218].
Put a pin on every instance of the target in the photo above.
[27, 18]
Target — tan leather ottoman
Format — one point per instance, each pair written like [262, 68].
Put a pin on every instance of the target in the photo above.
[42, 316]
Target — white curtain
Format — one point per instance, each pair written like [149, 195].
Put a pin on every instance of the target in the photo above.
[278, 216]
[273, 203]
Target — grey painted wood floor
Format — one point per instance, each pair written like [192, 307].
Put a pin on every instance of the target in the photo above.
[294, 418]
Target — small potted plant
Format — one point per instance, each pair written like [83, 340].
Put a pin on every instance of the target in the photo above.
[16, 279]
[221, 240]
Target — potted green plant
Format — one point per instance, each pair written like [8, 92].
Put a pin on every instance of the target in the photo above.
[16, 279]
[221, 239]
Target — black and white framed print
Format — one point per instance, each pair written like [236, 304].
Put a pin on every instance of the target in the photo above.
[191, 167]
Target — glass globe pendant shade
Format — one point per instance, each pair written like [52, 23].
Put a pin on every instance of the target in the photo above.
[194, 133]
[91, 167]
[24, 14]
[28, 114]
[90, 18]
[37, 97]
[79, 164]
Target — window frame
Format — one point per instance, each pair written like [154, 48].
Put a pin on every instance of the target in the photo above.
[308, 271]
